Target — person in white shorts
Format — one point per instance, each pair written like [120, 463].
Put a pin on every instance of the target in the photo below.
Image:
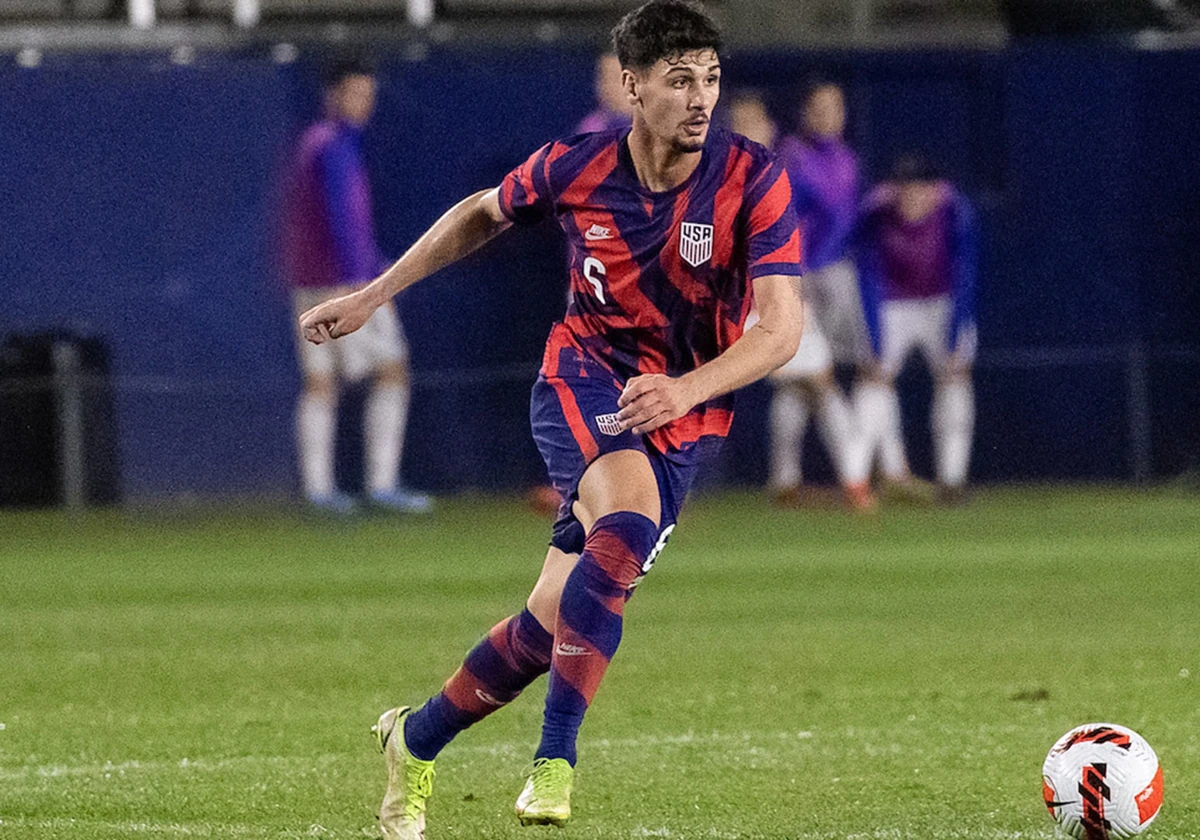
[329, 250]
[825, 186]
[918, 261]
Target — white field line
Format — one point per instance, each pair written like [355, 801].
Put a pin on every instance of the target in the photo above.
[56, 826]
[202, 765]
[59, 827]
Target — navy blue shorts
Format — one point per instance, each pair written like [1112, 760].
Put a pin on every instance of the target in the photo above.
[573, 415]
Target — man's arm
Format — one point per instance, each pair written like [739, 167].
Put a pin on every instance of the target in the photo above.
[462, 229]
[653, 400]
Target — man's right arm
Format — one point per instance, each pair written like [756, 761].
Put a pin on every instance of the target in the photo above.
[462, 229]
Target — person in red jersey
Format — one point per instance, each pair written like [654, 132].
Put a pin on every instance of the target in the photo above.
[674, 228]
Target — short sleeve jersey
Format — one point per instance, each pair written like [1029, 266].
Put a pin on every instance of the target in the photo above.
[660, 282]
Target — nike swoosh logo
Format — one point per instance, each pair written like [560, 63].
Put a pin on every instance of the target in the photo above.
[572, 650]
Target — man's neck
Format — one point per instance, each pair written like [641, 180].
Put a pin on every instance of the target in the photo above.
[659, 165]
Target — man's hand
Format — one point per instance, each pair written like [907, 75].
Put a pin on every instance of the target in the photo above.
[336, 318]
[653, 400]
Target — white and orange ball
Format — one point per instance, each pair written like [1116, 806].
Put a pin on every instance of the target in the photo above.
[1102, 781]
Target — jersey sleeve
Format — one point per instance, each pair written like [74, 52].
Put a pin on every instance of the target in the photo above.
[772, 230]
[525, 195]
[965, 268]
[869, 263]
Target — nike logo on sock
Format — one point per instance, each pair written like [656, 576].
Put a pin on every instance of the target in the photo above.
[565, 649]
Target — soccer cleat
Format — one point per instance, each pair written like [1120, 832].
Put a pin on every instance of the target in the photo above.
[336, 503]
[401, 500]
[909, 491]
[410, 780]
[859, 497]
[546, 799]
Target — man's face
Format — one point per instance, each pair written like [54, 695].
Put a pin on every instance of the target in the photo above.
[825, 113]
[353, 99]
[915, 200]
[676, 98]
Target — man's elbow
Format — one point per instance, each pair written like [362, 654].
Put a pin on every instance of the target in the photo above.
[789, 334]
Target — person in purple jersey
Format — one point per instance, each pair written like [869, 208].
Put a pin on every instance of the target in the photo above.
[612, 106]
[824, 172]
[673, 230]
[918, 255]
[329, 249]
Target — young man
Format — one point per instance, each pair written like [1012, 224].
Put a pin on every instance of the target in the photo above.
[824, 173]
[329, 249]
[672, 229]
[918, 259]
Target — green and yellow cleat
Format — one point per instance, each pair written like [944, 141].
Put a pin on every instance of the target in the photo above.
[410, 780]
[546, 799]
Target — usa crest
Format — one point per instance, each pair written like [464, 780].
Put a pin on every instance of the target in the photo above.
[695, 243]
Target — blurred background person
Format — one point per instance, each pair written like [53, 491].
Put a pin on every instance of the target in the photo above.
[825, 186]
[749, 117]
[918, 260]
[329, 249]
[613, 109]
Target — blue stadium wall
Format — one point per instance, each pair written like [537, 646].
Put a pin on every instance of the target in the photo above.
[138, 200]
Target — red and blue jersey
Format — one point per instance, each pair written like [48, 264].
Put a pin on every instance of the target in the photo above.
[660, 282]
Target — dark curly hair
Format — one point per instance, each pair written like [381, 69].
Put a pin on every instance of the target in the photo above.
[663, 29]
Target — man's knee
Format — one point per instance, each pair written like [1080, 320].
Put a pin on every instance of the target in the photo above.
[392, 374]
[320, 386]
[619, 545]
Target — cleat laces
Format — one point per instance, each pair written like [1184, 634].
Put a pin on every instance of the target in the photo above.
[418, 787]
[550, 778]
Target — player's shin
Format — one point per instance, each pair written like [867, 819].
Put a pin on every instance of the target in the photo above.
[316, 426]
[511, 656]
[590, 616]
[953, 429]
[384, 419]
[789, 415]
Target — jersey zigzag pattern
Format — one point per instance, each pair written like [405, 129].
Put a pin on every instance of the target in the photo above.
[660, 281]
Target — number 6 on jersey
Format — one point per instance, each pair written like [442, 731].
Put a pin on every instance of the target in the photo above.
[594, 271]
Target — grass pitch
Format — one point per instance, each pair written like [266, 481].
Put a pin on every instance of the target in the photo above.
[783, 674]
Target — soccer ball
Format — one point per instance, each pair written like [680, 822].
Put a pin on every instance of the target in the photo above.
[1102, 781]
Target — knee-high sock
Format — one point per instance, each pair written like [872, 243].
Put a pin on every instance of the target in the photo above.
[953, 428]
[316, 424]
[511, 656]
[385, 417]
[879, 415]
[590, 615]
[840, 431]
[789, 416]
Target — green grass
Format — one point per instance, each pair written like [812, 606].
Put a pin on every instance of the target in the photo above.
[783, 674]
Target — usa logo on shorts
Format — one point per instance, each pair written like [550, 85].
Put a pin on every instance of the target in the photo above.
[608, 424]
[695, 243]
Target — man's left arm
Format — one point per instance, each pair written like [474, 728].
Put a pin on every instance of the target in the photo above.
[773, 267]
[965, 268]
[655, 399]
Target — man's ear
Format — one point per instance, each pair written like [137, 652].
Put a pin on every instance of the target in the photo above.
[630, 81]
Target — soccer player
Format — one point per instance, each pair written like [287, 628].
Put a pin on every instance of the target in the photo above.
[917, 257]
[824, 173]
[672, 227]
[329, 249]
